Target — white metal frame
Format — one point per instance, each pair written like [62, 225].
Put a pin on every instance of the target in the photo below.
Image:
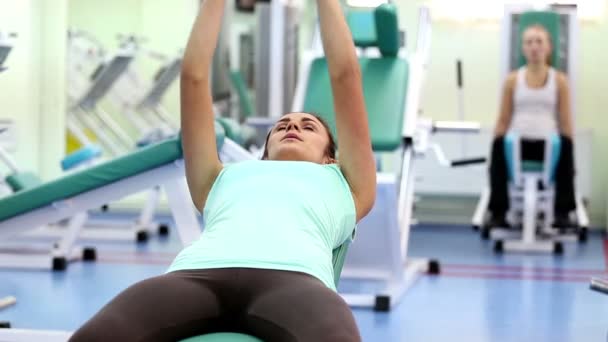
[386, 229]
[170, 177]
[92, 116]
[22, 335]
[528, 200]
[87, 113]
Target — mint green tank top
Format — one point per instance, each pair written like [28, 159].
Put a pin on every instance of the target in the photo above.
[278, 215]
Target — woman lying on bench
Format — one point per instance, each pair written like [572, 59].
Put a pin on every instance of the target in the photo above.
[263, 265]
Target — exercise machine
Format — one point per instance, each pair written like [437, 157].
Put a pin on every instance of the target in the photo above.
[86, 115]
[531, 183]
[392, 83]
[5, 49]
[139, 101]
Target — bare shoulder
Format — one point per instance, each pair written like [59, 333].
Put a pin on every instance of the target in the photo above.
[511, 80]
[562, 79]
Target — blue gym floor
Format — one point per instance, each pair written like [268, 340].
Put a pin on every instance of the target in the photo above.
[479, 296]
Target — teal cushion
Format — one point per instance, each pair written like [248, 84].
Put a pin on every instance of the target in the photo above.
[246, 106]
[22, 180]
[363, 27]
[71, 185]
[220, 134]
[80, 156]
[232, 129]
[551, 22]
[387, 29]
[531, 166]
[385, 89]
[223, 337]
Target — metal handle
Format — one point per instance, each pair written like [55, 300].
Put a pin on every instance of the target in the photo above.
[469, 161]
[459, 73]
[457, 126]
[445, 162]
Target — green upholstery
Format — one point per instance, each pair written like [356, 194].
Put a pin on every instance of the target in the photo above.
[232, 129]
[220, 134]
[385, 87]
[339, 257]
[223, 337]
[22, 180]
[376, 27]
[387, 29]
[241, 134]
[143, 159]
[532, 166]
[385, 79]
[92, 178]
[551, 22]
[362, 26]
[241, 89]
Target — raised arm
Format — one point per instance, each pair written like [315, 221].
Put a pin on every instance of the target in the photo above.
[197, 117]
[506, 107]
[356, 157]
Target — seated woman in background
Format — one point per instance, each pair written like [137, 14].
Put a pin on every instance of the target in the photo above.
[535, 104]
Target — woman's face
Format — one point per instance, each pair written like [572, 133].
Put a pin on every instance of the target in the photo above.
[299, 137]
[536, 45]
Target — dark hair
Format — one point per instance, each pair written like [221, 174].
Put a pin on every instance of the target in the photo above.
[331, 149]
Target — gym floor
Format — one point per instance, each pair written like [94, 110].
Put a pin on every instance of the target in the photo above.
[479, 296]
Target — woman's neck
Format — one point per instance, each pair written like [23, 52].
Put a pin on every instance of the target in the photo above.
[537, 68]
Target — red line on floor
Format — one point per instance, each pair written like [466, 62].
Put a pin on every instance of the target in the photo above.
[505, 268]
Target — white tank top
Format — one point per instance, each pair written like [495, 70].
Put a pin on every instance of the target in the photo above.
[535, 109]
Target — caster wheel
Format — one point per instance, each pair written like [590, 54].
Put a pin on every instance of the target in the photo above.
[60, 264]
[434, 267]
[485, 234]
[105, 208]
[583, 234]
[163, 230]
[383, 303]
[558, 248]
[142, 237]
[499, 247]
[5, 325]
[89, 254]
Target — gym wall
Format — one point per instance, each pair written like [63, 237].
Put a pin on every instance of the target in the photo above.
[33, 88]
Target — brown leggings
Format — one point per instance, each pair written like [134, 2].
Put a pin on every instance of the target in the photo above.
[272, 305]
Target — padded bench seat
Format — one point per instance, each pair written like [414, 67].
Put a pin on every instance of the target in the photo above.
[92, 178]
[385, 83]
